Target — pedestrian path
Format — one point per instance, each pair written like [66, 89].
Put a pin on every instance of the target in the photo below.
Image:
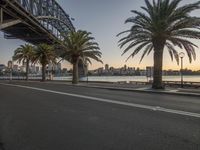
[130, 87]
[143, 88]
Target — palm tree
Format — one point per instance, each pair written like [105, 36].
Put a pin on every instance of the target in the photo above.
[80, 46]
[44, 54]
[24, 54]
[164, 24]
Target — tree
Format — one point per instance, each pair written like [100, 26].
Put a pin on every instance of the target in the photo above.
[24, 54]
[164, 24]
[80, 46]
[44, 54]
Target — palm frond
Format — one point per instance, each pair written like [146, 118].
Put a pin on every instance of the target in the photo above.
[81, 45]
[162, 20]
[137, 50]
[173, 53]
[147, 51]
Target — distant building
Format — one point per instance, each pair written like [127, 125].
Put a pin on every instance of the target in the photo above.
[149, 71]
[143, 72]
[125, 67]
[59, 66]
[32, 69]
[55, 68]
[37, 70]
[81, 69]
[106, 67]
[131, 71]
[58, 69]
[15, 68]
[50, 67]
[137, 72]
[10, 63]
[171, 72]
[2, 67]
[65, 71]
[100, 71]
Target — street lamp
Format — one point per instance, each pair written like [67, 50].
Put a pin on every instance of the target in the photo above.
[182, 55]
[87, 66]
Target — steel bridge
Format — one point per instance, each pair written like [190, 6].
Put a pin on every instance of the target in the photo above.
[34, 21]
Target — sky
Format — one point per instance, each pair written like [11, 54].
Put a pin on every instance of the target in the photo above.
[105, 19]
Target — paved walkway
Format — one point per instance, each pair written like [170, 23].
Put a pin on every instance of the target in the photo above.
[142, 88]
[132, 87]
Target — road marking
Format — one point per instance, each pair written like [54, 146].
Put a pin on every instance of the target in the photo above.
[154, 108]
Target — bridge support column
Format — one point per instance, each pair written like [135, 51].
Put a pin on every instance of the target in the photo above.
[1, 16]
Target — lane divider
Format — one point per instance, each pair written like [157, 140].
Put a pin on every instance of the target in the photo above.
[152, 108]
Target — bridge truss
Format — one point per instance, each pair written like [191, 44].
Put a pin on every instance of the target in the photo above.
[34, 21]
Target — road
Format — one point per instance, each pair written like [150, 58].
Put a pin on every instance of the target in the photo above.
[49, 116]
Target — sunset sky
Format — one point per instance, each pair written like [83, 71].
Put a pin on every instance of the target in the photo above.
[105, 19]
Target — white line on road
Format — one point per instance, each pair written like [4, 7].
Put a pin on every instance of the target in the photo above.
[154, 108]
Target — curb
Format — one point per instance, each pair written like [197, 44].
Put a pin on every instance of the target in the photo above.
[133, 90]
[142, 91]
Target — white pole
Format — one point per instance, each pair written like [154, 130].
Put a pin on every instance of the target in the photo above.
[11, 69]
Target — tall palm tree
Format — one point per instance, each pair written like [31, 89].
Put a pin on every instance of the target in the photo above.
[24, 54]
[80, 46]
[44, 54]
[164, 24]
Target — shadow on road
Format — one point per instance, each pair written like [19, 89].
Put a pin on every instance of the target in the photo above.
[2, 146]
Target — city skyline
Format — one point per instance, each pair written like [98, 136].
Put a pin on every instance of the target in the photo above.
[57, 70]
[104, 25]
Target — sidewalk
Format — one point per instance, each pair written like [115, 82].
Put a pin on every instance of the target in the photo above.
[141, 88]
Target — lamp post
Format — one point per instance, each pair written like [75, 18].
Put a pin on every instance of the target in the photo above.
[181, 55]
[10, 67]
[87, 66]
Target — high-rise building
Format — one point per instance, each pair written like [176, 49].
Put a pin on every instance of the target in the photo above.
[106, 67]
[10, 63]
[125, 67]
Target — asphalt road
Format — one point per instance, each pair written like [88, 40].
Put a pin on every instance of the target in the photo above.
[45, 116]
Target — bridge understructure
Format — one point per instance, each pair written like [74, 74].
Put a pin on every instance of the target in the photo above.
[34, 21]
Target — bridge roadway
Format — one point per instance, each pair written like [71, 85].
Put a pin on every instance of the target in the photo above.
[34, 21]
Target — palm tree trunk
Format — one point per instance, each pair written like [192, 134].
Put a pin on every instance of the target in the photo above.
[43, 72]
[158, 64]
[27, 69]
[75, 72]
